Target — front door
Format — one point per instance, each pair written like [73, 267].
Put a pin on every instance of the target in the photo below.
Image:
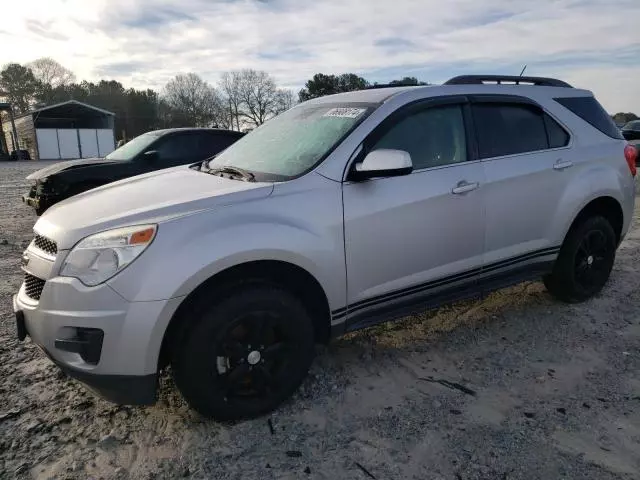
[417, 239]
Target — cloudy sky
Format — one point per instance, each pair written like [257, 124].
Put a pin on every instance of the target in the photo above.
[593, 44]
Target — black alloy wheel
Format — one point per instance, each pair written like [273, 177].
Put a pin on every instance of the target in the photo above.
[593, 260]
[245, 354]
[585, 261]
[251, 356]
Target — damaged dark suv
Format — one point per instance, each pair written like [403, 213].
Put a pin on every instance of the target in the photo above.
[148, 152]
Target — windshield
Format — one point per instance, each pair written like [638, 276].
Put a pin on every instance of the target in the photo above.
[294, 142]
[133, 147]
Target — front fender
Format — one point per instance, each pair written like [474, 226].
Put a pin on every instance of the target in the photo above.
[306, 231]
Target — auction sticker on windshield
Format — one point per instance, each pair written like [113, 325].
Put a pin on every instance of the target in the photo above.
[344, 112]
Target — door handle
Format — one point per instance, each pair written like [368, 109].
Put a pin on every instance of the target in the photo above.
[562, 164]
[464, 187]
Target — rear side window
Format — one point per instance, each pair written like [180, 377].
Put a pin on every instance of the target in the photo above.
[558, 136]
[508, 129]
[213, 143]
[177, 146]
[589, 110]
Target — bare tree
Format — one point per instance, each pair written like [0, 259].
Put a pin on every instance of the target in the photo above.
[231, 86]
[49, 72]
[285, 99]
[258, 93]
[196, 99]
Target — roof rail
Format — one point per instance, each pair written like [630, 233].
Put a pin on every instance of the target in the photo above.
[388, 85]
[509, 79]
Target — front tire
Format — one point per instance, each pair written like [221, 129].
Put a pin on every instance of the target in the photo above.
[585, 261]
[244, 355]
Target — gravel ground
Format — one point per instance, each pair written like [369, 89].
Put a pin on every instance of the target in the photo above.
[517, 386]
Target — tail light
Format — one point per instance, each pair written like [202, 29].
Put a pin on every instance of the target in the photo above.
[631, 155]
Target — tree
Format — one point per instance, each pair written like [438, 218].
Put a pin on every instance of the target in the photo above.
[19, 86]
[49, 72]
[259, 96]
[348, 82]
[285, 99]
[322, 84]
[195, 99]
[141, 112]
[622, 118]
[407, 81]
[230, 86]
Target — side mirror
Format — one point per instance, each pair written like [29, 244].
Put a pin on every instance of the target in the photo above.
[383, 163]
[151, 155]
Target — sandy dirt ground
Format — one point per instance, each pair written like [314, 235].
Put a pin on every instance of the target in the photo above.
[517, 386]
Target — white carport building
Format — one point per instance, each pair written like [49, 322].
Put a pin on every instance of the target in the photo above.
[62, 131]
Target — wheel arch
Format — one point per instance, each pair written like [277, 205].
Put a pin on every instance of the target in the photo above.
[287, 275]
[605, 206]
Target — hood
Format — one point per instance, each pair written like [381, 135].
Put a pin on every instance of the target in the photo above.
[150, 198]
[62, 166]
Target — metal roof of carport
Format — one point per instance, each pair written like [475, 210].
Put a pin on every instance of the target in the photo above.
[68, 103]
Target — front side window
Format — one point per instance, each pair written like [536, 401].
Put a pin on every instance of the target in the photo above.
[294, 142]
[433, 137]
[509, 129]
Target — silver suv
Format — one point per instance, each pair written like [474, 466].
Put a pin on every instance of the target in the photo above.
[343, 212]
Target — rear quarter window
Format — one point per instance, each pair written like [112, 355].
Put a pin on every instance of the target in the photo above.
[558, 137]
[589, 110]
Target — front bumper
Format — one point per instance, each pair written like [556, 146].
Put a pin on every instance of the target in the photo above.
[120, 389]
[39, 199]
[121, 363]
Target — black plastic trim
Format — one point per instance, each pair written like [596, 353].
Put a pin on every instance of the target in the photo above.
[119, 389]
[500, 98]
[463, 285]
[453, 278]
[357, 175]
[87, 343]
[468, 289]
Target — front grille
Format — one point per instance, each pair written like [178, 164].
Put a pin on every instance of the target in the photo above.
[33, 286]
[46, 245]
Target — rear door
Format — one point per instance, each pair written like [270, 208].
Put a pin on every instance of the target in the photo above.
[411, 239]
[527, 166]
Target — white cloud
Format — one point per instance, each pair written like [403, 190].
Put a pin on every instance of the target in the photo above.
[145, 42]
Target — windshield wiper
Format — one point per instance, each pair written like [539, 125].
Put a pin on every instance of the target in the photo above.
[241, 172]
[204, 165]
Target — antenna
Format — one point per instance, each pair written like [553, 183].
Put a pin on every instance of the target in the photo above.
[523, 69]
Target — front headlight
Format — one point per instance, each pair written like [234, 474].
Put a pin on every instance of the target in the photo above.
[99, 257]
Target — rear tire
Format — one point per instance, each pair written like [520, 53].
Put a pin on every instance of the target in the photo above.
[585, 261]
[244, 355]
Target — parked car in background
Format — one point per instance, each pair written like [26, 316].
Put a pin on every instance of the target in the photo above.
[340, 213]
[631, 130]
[20, 155]
[148, 152]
